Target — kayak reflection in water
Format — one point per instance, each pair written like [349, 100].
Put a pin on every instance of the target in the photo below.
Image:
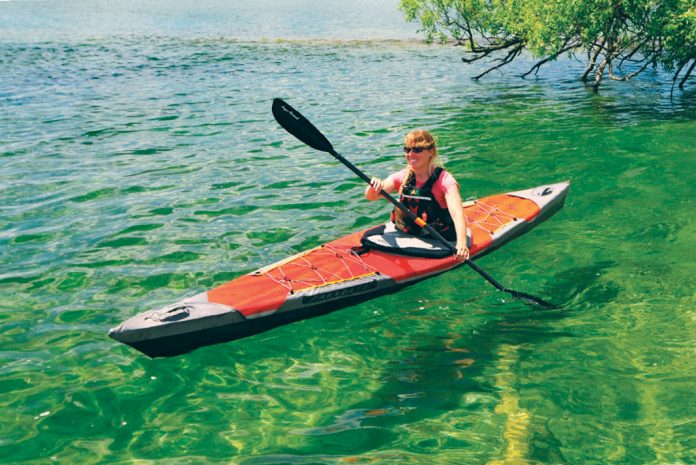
[428, 190]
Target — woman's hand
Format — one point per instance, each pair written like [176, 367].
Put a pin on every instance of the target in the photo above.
[462, 252]
[376, 185]
[374, 190]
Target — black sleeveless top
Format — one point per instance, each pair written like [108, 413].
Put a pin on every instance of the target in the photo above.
[423, 204]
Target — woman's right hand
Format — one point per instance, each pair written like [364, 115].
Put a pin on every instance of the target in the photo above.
[377, 185]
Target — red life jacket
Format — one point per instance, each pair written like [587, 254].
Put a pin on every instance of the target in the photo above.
[423, 204]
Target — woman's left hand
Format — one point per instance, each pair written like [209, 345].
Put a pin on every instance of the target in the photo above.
[462, 253]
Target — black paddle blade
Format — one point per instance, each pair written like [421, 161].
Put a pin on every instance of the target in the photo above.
[516, 294]
[531, 299]
[299, 126]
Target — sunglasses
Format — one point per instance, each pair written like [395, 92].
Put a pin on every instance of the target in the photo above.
[417, 149]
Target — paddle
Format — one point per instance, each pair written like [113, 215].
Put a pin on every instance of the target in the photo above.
[300, 127]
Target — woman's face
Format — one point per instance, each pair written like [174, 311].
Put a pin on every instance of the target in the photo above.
[419, 159]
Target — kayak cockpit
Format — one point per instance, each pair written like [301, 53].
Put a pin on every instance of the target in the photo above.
[387, 238]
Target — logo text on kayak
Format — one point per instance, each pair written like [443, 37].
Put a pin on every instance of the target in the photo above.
[343, 292]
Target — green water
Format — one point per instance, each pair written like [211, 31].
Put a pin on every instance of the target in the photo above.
[140, 163]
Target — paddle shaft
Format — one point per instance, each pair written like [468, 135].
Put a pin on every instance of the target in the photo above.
[432, 231]
[300, 127]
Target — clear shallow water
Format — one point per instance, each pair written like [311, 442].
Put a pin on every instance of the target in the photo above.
[139, 162]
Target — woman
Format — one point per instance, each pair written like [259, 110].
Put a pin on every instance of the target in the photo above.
[428, 190]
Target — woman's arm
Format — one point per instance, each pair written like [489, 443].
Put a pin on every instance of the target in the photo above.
[454, 205]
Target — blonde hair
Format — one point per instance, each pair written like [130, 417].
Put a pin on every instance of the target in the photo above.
[423, 138]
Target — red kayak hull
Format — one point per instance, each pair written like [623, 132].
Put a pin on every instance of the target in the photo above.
[332, 276]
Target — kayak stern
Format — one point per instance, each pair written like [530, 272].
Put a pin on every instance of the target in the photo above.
[193, 316]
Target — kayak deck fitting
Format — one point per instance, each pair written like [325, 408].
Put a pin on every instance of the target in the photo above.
[331, 276]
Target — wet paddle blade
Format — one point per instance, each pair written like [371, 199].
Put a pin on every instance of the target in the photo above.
[516, 294]
[292, 121]
[531, 299]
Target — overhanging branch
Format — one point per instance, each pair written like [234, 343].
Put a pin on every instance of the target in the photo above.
[566, 48]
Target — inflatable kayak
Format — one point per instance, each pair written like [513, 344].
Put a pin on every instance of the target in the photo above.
[353, 268]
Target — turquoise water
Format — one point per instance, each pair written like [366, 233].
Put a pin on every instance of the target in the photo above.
[140, 163]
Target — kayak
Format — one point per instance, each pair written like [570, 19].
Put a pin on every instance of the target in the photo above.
[339, 273]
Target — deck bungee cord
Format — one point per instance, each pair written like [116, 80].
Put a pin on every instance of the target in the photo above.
[293, 274]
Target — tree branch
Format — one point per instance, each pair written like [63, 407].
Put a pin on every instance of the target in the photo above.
[512, 54]
[599, 74]
[688, 73]
[487, 50]
[592, 54]
[552, 57]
